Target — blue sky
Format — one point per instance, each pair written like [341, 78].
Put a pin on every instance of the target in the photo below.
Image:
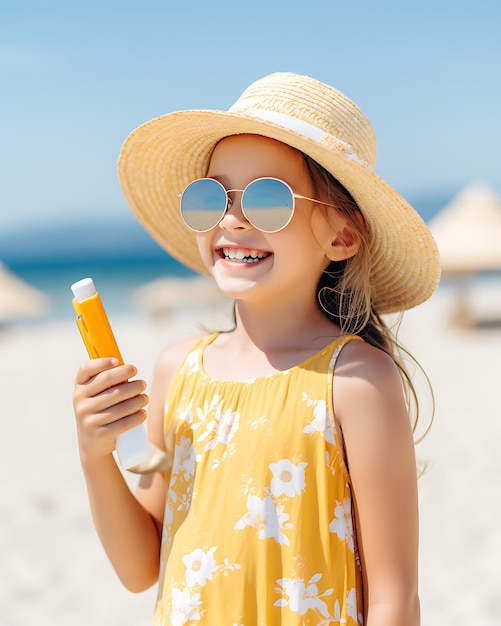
[76, 78]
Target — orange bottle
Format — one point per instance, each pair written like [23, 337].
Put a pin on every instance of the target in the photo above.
[132, 446]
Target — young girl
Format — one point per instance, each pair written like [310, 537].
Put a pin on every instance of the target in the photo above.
[287, 492]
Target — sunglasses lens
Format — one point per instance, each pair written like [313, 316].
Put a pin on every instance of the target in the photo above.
[268, 204]
[203, 204]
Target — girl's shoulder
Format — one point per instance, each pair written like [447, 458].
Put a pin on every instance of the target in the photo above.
[173, 355]
[367, 382]
[361, 360]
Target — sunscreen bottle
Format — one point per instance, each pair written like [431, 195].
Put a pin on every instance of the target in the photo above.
[132, 445]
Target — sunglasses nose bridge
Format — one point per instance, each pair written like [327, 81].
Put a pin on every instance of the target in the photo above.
[231, 196]
[233, 209]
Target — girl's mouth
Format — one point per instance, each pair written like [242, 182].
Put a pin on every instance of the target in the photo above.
[243, 255]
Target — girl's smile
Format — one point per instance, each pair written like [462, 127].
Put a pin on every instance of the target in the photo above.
[242, 255]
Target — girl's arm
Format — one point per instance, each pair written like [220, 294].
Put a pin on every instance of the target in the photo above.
[106, 403]
[373, 420]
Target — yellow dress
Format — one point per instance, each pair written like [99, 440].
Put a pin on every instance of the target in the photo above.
[258, 527]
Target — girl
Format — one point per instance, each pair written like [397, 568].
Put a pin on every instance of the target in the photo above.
[288, 493]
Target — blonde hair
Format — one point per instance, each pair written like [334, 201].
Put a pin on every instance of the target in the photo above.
[344, 292]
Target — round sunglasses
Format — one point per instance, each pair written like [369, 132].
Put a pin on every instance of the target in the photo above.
[267, 204]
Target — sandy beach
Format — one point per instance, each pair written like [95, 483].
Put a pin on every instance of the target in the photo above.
[53, 570]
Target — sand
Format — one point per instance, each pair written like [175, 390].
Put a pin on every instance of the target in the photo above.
[53, 570]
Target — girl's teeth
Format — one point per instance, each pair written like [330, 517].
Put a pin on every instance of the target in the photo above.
[248, 256]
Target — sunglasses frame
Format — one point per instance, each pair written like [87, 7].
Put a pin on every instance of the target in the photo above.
[229, 203]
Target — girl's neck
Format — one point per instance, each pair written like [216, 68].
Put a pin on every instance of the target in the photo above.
[269, 337]
[282, 328]
[267, 340]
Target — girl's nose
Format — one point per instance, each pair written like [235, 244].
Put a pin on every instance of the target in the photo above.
[233, 217]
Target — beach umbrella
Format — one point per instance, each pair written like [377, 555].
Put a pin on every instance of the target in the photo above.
[18, 300]
[468, 235]
[163, 296]
[468, 231]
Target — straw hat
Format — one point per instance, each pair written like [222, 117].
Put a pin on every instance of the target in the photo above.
[162, 156]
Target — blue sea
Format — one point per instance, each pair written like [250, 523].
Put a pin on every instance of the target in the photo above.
[117, 254]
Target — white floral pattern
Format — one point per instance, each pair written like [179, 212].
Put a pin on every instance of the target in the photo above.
[223, 427]
[184, 459]
[301, 597]
[288, 479]
[200, 566]
[184, 606]
[321, 422]
[351, 607]
[269, 519]
[191, 363]
[342, 524]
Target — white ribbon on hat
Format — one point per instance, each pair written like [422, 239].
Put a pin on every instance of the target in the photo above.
[306, 129]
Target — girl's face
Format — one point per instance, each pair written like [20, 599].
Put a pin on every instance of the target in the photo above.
[246, 262]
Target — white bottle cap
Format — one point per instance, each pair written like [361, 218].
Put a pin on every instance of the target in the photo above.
[83, 289]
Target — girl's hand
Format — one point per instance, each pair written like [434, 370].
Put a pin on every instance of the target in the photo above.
[106, 403]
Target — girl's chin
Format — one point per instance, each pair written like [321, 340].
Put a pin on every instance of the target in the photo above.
[237, 281]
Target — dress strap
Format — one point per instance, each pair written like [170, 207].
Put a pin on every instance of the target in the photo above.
[343, 341]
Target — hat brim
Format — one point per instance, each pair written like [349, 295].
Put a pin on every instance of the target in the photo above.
[161, 157]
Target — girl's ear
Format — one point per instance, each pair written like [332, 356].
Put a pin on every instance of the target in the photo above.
[344, 244]
[336, 235]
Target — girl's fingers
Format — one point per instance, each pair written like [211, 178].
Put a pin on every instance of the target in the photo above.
[116, 423]
[111, 406]
[107, 371]
[89, 369]
[104, 387]
[119, 394]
